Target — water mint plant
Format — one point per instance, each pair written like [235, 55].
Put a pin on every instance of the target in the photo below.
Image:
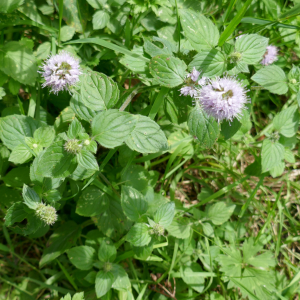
[149, 149]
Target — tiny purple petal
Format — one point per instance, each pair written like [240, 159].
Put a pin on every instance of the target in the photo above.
[61, 71]
[185, 90]
[203, 81]
[194, 75]
[223, 98]
[270, 56]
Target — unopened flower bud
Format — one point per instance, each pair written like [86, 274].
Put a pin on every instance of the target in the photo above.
[107, 267]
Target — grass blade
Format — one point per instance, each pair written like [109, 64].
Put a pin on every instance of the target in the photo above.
[233, 24]
[108, 45]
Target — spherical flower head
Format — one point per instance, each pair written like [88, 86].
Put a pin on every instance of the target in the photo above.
[46, 213]
[189, 89]
[270, 56]
[107, 267]
[157, 229]
[61, 72]
[73, 146]
[223, 98]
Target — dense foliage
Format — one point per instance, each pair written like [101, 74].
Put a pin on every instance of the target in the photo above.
[149, 149]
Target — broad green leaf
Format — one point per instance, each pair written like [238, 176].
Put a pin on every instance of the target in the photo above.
[146, 137]
[16, 213]
[92, 202]
[97, 91]
[153, 50]
[168, 70]
[175, 140]
[9, 196]
[44, 136]
[81, 110]
[121, 280]
[61, 240]
[56, 162]
[287, 121]
[200, 31]
[133, 63]
[208, 229]
[107, 251]
[205, 128]
[64, 119]
[82, 257]
[20, 154]
[14, 129]
[98, 4]
[75, 128]
[138, 235]
[229, 129]
[180, 228]
[165, 214]
[87, 160]
[211, 63]
[66, 33]
[289, 156]
[100, 19]
[16, 177]
[272, 155]
[277, 170]
[7, 6]
[272, 78]
[219, 213]
[103, 284]
[81, 173]
[111, 128]
[291, 12]
[133, 203]
[252, 47]
[31, 198]
[43, 51]
[142, 253]
[231, 265]
[18, 61]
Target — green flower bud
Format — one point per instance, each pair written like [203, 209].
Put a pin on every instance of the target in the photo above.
[46, 213]
[157, 229]
[107, 267]
[235, 57]
[73, 146]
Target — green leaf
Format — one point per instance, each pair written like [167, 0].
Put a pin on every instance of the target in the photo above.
[75, 128]
[111, 128]
[233, 23]
[205, 128]
[146, 137]
[277, 170]
[272, 155]
[44, 136]
[97, 91]
[208, 229]
[289, 156]
[81, 110]
[87, 160]
[9, 196]
[61, 240]
[287, 121]
[165, 214]
[98, 4]
[100, 19]
[200, 31]
[66, 33]
[211, 63]
[180, 228]
[133, 203]
[82, 257]
[229, 129]
[14, 129]
[231, 265]
[31, 198]
[168, 70]
[16, 213]
[252, 47]
[153, 50]
[135, 64]
[64, 119]
[92, 202]
[107, 251]
[219, 213]
[55, 161]
[16, 177]
[103, 284]
[192, 275]
[8, 6]
[20, 154]
[291, 12]
[138, 235]
[272, 78]
[121, 282]
[18, 61]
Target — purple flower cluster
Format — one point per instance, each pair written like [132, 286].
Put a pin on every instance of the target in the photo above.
[192, 83]
[61, 71]
[223, 98]
[270, 56]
